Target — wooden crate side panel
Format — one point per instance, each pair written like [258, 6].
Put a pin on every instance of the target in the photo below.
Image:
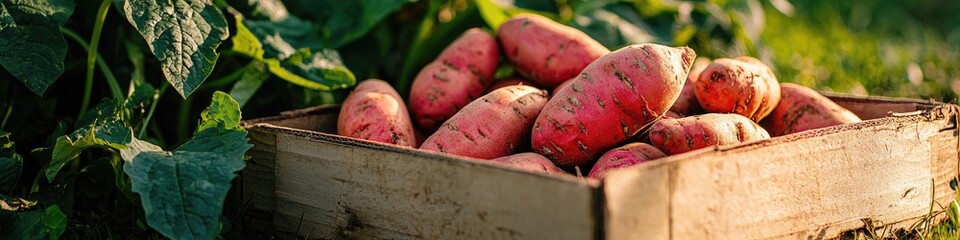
[624, 198]
[257, 180]
[812, 187]
[327, 189]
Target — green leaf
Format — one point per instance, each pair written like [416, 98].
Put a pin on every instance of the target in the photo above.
[11, 164]
[322, 70]
[182, 191]
[345, 21]
[32, 48]
[492, 13]
[617, 25]
[245, 42]
[182, 34]
[101, 127]
[261, 9]
[293, 53]
[253, 77]
[47, 224]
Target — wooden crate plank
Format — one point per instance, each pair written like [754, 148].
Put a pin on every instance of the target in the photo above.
[257, 181]
[346, 188]
[812, 185]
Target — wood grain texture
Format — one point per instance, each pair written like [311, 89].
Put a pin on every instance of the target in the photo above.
[816, 184]
[332, 187]
[257, 181]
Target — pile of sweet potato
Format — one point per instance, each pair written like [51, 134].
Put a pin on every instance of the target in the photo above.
[576, 105]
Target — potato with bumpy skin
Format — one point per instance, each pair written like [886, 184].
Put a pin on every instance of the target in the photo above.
[687, 104]
[547, 52]
[674, 136]
[374, 111]
[609, 102]
[531, 162]
[493, 126]
[802, 108]
[624, 156]
[513, 81]
[744, 86]
[459, 75]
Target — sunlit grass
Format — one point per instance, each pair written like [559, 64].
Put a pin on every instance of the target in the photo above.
[829, 47]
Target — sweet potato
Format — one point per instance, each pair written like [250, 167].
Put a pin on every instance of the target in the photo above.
[624, 156]
[529, 162]
[547, 52]
[743, 86]
[687, 104]
[459, 75]
[610, 101]
[374, 111]
[493, 126]
[510, 82]
[674, 136]
[671, 114]
[561, 86]
[802, 108]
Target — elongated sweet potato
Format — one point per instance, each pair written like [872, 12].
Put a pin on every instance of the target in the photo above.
[459, 75]
[610, 101]
[625, 156]
[530, 162]
[744, 86]
[547, 52]
[374, 111]
[510, 82]
[674, 136]
[687, 104]
[802, 108]
[493, 126]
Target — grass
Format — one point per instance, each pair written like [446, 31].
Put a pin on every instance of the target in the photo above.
[889, 48]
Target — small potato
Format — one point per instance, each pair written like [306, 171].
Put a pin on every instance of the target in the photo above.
[531, 162]
[493, 126]
[674, 136]
[802, 108]
[459, 75]
[625, 156]
[687, 104]
[744, 86]
[547, 52]
[374, 111]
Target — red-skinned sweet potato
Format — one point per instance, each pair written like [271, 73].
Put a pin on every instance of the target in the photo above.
[674, 136]
[531, 162]
[610, 101]
[547, 52]
[492, 126]
[512, 81]
[624, 156]
[802, 108]
[687, 104]
[459, 75]
[744, 86]
[374, 111]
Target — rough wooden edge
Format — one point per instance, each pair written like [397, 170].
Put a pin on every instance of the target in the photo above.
[257, 182]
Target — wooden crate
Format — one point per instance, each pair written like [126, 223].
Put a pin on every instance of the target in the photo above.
[303, 182]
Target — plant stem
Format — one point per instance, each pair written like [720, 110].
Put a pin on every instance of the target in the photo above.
[6, 116]
[101, 64]
[153, 106]
[92, 54]
[223, 81]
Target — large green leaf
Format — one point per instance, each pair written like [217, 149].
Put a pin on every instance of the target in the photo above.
[11, 164]
[49, 223]
[32, 48]
[294, 53]
[182, 34]
[345, 21]
[100, 127]
[617, 25]
[182, 191]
